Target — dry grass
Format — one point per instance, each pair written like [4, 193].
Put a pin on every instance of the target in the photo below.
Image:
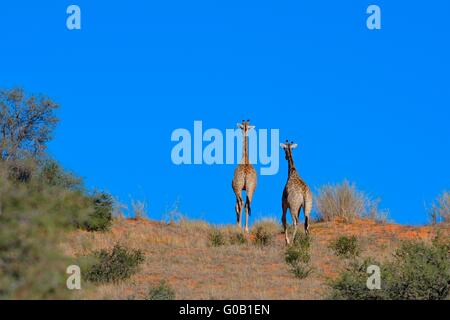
[345, 202]
[180, 254]
[139, 209]
[440, 211]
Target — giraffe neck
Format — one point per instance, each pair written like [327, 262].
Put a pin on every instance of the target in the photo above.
[291, 165]
[245, 151]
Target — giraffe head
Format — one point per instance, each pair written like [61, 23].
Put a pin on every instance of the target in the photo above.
[288, 148]
[245, 127]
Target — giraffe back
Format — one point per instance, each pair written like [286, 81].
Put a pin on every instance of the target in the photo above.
[244, 177]
[296, 193]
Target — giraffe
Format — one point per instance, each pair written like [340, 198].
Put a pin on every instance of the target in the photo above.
[245, 178]
[296, 194]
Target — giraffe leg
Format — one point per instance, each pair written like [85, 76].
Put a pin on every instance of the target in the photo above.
[306, 225]
[239, 203]
[246, 217]
[307, 211]
[248, 209]
[294, 212]
[283, 220]
[295, 222]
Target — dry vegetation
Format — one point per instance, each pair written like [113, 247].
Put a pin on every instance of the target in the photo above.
[440, 211]
[181, 254]
[346, 202]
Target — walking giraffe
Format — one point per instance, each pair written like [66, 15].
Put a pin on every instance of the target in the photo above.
[244, 178]
[296, 194]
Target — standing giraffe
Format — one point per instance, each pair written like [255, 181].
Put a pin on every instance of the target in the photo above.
[296, 194]
[244, 177]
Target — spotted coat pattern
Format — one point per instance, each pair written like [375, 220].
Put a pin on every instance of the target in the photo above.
[296, 195]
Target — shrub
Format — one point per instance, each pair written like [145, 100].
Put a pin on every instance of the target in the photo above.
[441, 241]
[52, 174]
[264, 232]
[440, 210]
[34, 217]
[101, 217]
[297, 256]
[112, 266]
[302, 240]
[161, 292]
[21, 170]
[346, 246]
[351, 284]
[418, 271]
[39, 176]
[216, 237]
[344, 201]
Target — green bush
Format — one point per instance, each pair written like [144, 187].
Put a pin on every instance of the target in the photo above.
[34, 217]
[113, 266]
[302, 240]
[264, 232]
[20, 170]
[216, 237]
[351, 284]
[421, 271]
[441, 241]
[48, 174]
[299, 261]
[161, 292]
[346, 246]
[52, 174]
[101, 217]
[418, 271]
[297, 256]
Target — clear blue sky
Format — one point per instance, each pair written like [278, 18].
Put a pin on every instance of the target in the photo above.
[372, 107]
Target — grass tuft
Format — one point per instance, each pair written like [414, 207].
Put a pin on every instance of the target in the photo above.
[163, 291]
[264, 232]
[216, 237]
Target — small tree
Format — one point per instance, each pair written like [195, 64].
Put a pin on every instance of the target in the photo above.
[26, 124]
[101, 217]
